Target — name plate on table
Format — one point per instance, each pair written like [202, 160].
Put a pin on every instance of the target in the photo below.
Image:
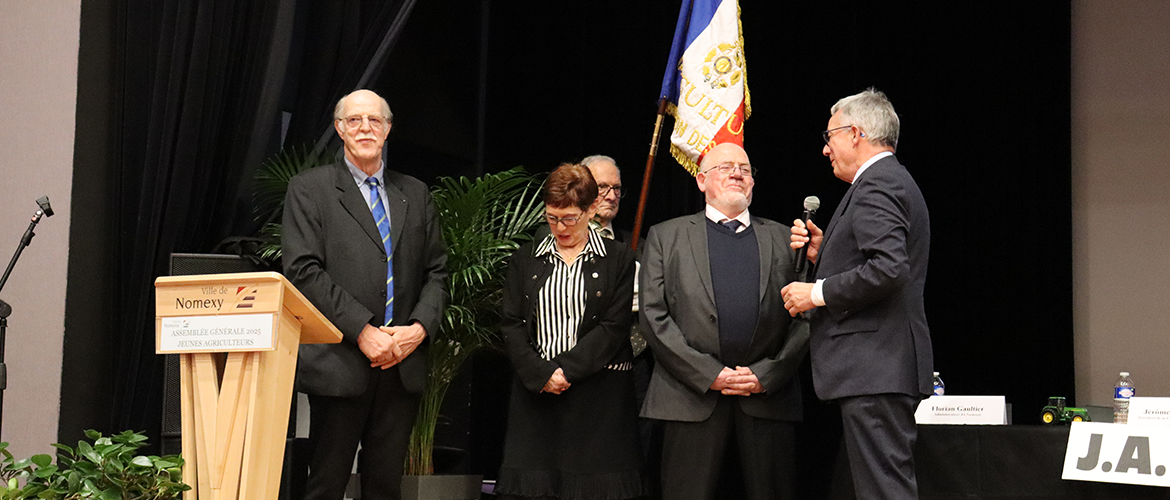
[232, 332]
[1149, 411]
[962, 410]
[1118, 453]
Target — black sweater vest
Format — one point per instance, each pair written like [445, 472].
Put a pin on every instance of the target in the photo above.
[735, 277]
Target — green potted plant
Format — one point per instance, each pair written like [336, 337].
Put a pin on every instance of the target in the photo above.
[108, 469]
[483, 221]
[271, 185]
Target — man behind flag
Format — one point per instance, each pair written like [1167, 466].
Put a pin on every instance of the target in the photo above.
[706, 80]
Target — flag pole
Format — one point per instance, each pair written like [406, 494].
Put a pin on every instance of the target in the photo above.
[649, 173]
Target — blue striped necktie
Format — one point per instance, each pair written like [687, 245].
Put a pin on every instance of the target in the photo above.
[383, 222]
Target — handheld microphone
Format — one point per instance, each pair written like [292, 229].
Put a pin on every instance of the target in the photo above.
[811, 204]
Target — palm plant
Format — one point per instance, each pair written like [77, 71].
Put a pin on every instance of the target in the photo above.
[483, 221]
[271, 185]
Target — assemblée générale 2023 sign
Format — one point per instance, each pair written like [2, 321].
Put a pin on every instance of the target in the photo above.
[207, 331]
[1118, 453]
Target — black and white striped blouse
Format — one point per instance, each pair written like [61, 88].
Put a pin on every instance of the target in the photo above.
[560, 303]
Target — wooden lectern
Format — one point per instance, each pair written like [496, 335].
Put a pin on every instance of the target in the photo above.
[238, 335]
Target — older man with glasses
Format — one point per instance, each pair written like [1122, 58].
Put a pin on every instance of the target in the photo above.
[609, 194]
[726, 350]
[363, 243]
[871, 349]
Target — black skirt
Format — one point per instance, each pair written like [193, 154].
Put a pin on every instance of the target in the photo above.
[579, 445]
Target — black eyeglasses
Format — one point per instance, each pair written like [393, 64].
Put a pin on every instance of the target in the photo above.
[603, 191]
[744, 169]
[568, 220]
[825, 135]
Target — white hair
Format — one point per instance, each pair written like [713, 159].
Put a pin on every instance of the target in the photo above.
[340, 107]
[590, 160]
[872, 112]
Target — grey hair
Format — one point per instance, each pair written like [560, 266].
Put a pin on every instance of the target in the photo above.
[590, 160]
[872, 112]
[340, 107]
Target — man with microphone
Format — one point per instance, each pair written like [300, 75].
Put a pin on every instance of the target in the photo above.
[870, 344]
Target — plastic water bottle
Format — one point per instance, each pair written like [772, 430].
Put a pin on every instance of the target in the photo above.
[1122, 391]
[939, 387]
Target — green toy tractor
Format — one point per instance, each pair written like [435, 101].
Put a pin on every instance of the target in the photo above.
[1057, 412]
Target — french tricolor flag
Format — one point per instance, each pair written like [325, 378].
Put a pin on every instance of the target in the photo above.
[705, 83]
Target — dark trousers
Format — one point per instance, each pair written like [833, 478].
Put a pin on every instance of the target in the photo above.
[649, 430]
[380, 419]
[879, 437]
[693, 454]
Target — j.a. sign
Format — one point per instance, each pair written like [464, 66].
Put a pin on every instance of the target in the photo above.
[1118, 453]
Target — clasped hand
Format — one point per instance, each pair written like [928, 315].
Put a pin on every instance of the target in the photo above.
[387, 346]
[557, 383]
[738, 382]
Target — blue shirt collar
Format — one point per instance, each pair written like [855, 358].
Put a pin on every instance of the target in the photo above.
[360, 177]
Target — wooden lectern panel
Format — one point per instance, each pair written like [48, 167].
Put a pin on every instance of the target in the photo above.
[236, 401]
[240, 293]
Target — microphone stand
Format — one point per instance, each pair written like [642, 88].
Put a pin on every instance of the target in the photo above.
[5, 309]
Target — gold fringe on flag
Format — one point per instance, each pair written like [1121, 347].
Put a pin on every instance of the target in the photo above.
[679, 155]
[747, 95]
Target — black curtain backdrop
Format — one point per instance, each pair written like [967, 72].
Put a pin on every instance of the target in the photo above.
[178, 102]
[337, 41]
[166, 89]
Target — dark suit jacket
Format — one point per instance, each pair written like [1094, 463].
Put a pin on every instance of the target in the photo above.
[680, 322]
[624, 236]
[871, 337]
[603, 338]
[334, 255]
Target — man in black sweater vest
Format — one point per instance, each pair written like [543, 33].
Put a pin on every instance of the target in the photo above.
[726, 350]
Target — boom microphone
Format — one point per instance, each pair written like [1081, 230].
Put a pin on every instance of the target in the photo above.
[811, 204]
[43, 202]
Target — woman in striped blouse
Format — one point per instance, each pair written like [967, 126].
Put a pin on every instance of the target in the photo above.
[572, 426]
